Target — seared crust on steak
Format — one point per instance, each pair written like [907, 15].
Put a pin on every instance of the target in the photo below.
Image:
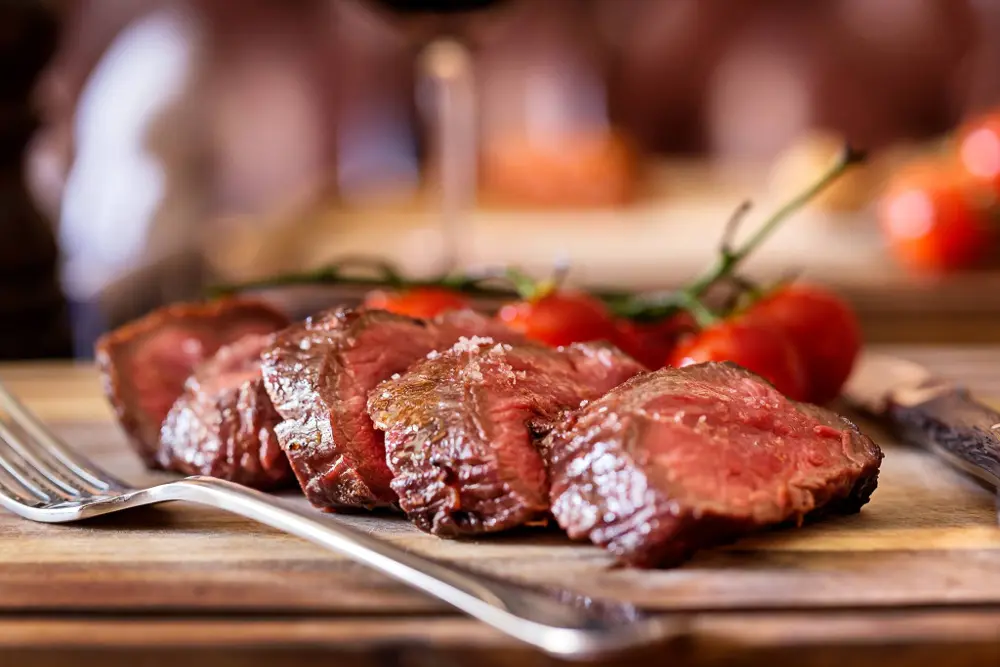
[223, 423]
[145, 363]
[460, 428]
[680, 459]
[318, 375]
[337, 460]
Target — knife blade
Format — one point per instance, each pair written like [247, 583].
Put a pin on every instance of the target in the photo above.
[928, 410]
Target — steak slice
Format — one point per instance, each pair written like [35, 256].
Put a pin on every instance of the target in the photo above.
[318, 374]
[680, 459]
[223, 423]
[461, 425]
[145, 363]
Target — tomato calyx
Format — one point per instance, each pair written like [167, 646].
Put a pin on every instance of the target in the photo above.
[551, 314]
[532, 290]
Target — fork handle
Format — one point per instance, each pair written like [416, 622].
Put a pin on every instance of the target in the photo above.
[532, 616]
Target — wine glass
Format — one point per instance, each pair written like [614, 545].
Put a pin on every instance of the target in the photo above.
[442, 29]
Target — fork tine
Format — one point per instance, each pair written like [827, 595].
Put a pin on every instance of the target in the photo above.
[46, 476]
[13, 496]
[74, 464]
[9, 464]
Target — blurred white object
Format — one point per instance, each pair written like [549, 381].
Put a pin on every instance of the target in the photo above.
[116, 185]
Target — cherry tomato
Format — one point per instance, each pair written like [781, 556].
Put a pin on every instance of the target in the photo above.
[560, 318]
[824, 330]
[979, 149]
[422, 302]
[754, 345]
[935, 219]
[651, 343]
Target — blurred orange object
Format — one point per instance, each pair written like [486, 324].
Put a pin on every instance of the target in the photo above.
[579, 170]
[938, 219]
[423, 302]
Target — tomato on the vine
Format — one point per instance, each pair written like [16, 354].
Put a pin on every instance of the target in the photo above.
[422, 302]
[560, 317]
[754, 345]
[822, 328]
[937, 219]
[651, 343]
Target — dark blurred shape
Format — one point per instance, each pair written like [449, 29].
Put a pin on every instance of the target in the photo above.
[743, 80]
[663, 57]
[32, 307]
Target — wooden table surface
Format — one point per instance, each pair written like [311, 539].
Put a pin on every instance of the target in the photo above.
[914, 579]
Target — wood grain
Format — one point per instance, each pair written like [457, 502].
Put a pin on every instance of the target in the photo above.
[905, 639]
[919, 566]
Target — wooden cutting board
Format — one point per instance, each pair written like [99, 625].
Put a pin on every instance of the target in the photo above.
[914, 578]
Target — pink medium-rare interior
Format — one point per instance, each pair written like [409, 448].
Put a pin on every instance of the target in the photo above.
[745, 447]
[233, 364]
[378, 353]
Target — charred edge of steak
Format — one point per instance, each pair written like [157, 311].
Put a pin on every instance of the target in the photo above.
[293, 370]
[336, 454]
[445, 441]
[223, 424]
[114, 345]
[609, 483]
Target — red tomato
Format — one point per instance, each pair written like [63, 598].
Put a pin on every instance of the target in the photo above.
[422, 302]
[979, 149]
[935, 219]
[651, 343]
[561, 318]
[760, 348]
[823, 329]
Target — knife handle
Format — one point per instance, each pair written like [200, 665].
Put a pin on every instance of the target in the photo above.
[965, 432]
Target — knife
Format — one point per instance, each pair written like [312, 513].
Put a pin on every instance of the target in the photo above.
[927, 410]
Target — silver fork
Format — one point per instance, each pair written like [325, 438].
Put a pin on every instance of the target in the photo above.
[42, 479]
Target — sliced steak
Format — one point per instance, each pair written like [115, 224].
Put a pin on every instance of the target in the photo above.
[461, 426]
[145, 363]
[318, 375]
[680, 459]
[223, 423]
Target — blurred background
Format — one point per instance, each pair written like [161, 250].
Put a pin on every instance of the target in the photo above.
[150, 148]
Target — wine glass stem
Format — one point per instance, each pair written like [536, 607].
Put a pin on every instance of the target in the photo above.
[446, 67]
